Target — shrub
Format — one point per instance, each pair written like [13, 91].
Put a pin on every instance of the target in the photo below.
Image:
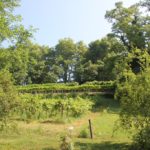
[133, 92]
[83, 133]
[8, 96]
[141, 140]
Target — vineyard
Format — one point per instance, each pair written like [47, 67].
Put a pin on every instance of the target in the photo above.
[95, 86]
[39, 102]
[40, 107]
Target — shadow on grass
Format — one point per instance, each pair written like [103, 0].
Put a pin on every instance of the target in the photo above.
[102, 146]
[55, 121]
[105, 102]
[48, 148]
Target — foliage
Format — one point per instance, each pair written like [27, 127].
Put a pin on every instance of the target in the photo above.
[120, 55]
[133, 92]
[129, 25]
[34, 107]
[30, 109]
[146, 4]
[37, 67]
[83, 133]
[80, 57]
[18, 63]
[8, 96]
[45, 134]
[65, 51]
[69, 61]
[69, 87]
[15, 57]
[7, 19]
[141, 140]
[10, 24]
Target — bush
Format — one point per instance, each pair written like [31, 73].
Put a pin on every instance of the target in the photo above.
[142, 140]
[83, 133]
[8, 96]
[133, 92]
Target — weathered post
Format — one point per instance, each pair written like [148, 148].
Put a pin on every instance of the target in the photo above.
[90, 127]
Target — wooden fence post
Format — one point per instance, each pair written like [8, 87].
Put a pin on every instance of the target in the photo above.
[90, 128]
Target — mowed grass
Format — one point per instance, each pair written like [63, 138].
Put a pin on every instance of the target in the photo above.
[46, 135]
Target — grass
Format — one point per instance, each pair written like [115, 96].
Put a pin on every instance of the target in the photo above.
[98, 145]
[46, 135]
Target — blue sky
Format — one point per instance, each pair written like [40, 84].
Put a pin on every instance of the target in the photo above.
[78, 19]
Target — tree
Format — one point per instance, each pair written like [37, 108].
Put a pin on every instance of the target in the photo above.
[8, 21]
[37, 70]
[65, 52]
[134, 97]
[130, 26]
[53, 72]
[90, 71]
[8, 96]
[97, 50]
[18, 63]
[15, 57]
[80, 59]
[108, 71]
[146, 3]
[104, 54]
[4, 57]
[133, 94]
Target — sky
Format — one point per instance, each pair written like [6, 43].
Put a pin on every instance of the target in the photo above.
[77, 19]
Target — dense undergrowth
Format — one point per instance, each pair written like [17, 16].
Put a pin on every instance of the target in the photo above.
[36, 107]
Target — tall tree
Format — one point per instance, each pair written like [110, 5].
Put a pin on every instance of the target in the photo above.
[104, 54]
[133, 94]
[53, 71]
[65, 52]
[145, 3]
[80, 59]
[37, 63]
[15, 57]
[97, 50]
[130, 25]
[8, 26]
[18, 63]
[8, 97]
